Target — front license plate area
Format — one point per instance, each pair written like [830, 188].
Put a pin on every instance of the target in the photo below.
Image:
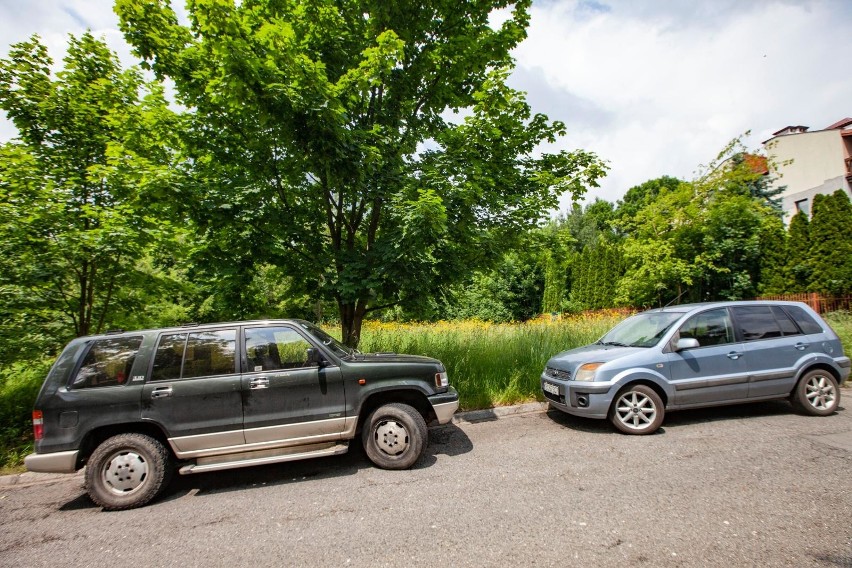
[551, 388]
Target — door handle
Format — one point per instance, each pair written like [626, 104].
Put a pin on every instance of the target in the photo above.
[734, 355]
[161, 392]
[259, 384]
[801, 346]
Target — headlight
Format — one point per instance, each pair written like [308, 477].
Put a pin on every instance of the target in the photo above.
[586, 372]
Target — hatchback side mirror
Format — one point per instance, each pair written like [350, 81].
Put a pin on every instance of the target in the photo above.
[686, 343]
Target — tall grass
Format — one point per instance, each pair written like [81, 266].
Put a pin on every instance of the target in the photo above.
[489, 364]
[841, 322]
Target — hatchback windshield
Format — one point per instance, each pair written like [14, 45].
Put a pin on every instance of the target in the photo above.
[641, 330]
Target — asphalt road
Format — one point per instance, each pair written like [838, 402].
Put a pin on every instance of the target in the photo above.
[753, 485]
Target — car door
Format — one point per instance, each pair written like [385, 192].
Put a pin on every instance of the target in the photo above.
[773, 346]
[194, 390]
[716, 370]
[288, 400]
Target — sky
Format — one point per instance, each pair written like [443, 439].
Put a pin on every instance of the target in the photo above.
[654, 87]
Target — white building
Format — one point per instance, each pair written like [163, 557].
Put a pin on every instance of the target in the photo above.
[808, 163]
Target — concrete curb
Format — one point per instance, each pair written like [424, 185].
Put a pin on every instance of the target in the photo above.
[496, 413]
[29, 478]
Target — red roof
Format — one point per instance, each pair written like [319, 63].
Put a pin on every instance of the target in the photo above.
[842, 123]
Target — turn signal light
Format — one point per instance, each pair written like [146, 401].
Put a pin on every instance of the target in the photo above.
[38, 424]
[441, 380]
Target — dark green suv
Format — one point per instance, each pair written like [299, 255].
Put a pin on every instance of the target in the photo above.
[132, 406]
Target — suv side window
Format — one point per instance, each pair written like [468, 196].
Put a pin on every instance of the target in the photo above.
[107, 363]
[803, 319]
[712, 327]
[274, 348]
[756, 322]
[198, 354]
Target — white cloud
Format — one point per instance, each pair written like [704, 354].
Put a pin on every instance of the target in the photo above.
[663, 91]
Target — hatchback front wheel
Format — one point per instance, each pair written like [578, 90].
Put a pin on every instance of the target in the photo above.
[637, 409]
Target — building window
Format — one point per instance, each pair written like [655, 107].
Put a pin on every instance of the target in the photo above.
[802, 206]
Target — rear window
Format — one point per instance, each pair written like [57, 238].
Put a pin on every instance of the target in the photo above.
[107, 363]
[756, 322]
[804, 320]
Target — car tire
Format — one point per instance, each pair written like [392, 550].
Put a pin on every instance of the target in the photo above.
[394, 436]
[638, 410]
[127, 471]
[816, 393]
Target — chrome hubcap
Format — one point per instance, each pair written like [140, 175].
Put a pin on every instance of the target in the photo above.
[635, 410]
[391, 437]
[820, 393]
[125, 472]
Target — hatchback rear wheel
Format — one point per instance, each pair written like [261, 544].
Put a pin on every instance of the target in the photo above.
[816, 393]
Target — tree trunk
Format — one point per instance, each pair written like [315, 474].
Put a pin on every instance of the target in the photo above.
[351, 318]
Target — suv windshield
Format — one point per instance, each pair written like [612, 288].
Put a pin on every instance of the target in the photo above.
[327, 340]
[641, 330]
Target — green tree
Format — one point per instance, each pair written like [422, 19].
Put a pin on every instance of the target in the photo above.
[319, 141]
[78, 187]
[831, 244]
[799, 267]
[702, 240]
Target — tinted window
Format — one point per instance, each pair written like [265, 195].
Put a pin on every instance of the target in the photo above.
[210, 353]
[272, 348]
[167, 362]
[784, 322]
[709, 328]
[756, 322]
[804, 319]
[108, 362]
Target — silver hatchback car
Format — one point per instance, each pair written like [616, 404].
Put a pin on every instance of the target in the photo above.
[700, 355]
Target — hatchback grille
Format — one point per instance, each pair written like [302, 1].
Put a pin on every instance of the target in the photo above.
[558, 374]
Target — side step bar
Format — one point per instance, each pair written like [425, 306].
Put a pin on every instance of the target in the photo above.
[233, 461]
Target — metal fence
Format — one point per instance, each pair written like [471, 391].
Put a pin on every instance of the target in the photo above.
[820, 304]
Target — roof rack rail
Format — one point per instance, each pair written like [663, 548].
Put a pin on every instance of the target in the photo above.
[190, 324]
[114, 331]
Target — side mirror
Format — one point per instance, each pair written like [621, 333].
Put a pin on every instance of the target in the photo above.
[686, 343]
[314, 357]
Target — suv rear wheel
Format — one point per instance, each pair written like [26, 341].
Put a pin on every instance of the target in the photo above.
[816, 393]
[127, 471]
[394, 436]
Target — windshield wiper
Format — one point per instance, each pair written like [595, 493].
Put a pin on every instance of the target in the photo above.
[613, 343]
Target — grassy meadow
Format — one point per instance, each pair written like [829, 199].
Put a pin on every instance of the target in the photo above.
[490, 364]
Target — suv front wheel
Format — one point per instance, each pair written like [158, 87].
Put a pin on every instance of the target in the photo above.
[394, 436]
[127, 471]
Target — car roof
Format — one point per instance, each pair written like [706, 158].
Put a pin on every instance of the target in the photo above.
[685, 308]
[194, 326]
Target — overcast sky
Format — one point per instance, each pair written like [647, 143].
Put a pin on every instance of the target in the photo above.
[656, 87]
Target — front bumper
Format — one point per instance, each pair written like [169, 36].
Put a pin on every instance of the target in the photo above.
[580, 398]
[445, 405]
[54, 462]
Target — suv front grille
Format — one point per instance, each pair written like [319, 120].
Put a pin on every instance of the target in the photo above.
[558, 374]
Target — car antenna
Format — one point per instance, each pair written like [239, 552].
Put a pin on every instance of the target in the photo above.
[673, 301]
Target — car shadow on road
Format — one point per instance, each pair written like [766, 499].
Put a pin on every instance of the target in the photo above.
[447, 440]
[752, 410]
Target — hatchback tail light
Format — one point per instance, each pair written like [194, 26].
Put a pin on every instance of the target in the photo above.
[38, 424]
